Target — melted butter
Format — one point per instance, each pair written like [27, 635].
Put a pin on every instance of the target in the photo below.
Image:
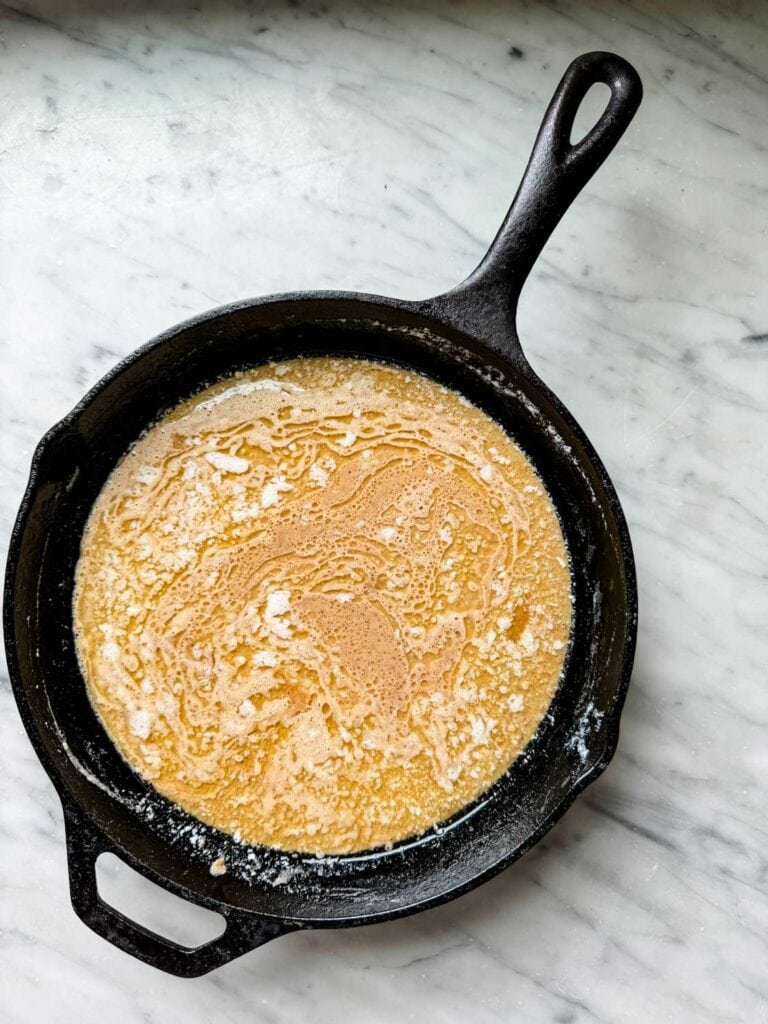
[323, 605]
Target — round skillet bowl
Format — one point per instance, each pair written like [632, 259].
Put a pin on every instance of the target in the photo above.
[466, 339]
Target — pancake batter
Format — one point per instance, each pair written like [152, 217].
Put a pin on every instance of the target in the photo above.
[323, 605]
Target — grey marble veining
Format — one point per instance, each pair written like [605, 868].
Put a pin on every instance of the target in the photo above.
[160, 159]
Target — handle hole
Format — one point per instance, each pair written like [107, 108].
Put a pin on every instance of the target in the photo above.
[147, 904]
[591, 109]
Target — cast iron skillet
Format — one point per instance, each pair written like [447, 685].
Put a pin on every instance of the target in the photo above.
[465, 338]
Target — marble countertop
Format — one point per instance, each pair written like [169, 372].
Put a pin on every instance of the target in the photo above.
[157, 160]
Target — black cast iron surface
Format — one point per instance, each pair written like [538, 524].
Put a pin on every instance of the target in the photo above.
[465, 338]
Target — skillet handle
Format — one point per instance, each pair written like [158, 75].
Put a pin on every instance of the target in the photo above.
[244, 931]
[556, 173]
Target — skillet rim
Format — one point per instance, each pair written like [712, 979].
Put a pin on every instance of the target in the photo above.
[437, 318]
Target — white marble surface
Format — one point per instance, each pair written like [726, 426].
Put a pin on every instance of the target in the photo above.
[159, 159]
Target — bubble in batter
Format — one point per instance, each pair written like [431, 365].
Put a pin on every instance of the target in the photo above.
[323, 605]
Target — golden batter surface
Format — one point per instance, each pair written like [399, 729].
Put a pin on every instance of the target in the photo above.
[323, 605]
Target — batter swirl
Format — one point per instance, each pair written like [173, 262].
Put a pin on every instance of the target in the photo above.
[323, 605]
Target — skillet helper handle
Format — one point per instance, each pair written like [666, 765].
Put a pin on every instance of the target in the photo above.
[243, 932]
[556, 173]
